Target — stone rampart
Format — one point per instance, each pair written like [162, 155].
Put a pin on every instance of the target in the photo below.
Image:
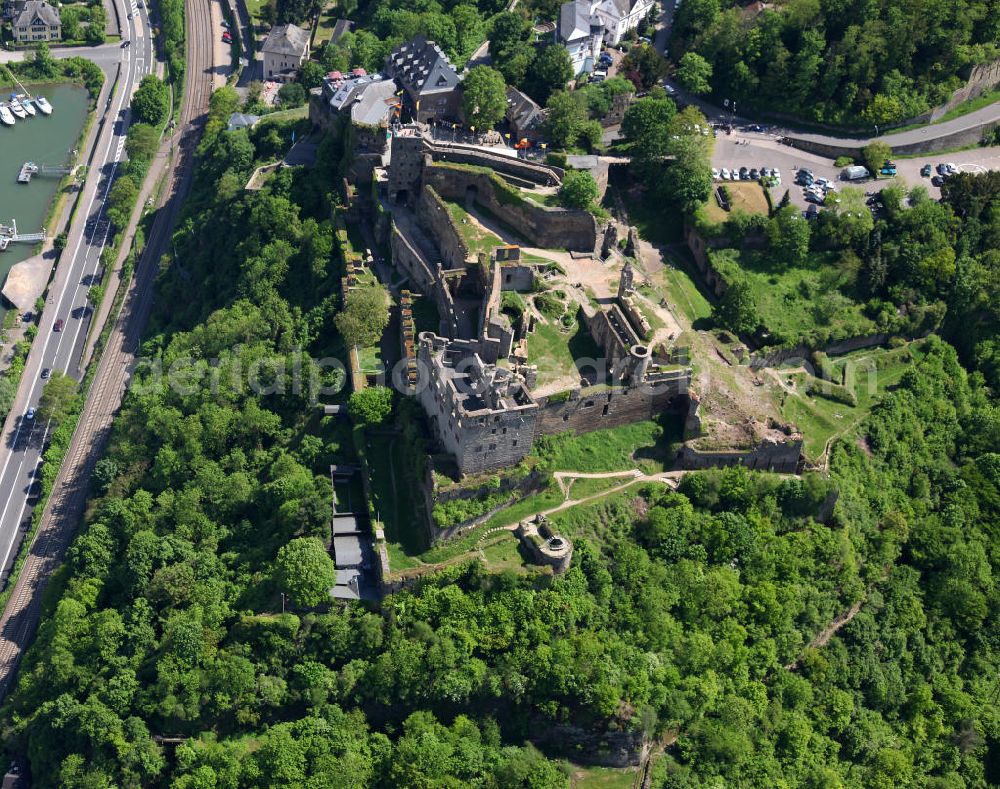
[434, 218]
[783, 457]
[552, 228]
[584, 410]
[521, 169]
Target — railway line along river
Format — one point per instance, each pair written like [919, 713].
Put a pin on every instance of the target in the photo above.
[44, 140]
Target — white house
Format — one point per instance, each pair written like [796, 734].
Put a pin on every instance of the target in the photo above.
[581, 31]
[620, 16]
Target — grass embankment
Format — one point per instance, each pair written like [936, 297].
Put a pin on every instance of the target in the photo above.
[745, 196]
[555, 351]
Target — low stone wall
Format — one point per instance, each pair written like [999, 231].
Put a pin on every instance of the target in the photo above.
[552, 228]
[784, 457]
[804, 352]
[519, 277]
[532, 172]
[699, 250]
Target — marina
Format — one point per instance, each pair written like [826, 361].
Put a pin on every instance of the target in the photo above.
[41, 142]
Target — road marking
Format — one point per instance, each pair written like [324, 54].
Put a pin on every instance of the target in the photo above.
[66, 288]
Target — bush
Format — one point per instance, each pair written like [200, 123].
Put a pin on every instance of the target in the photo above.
[370, 406]
[556, 159]
[578, 190]
[843, 161]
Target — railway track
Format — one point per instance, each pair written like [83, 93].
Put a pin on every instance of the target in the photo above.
[66, 503]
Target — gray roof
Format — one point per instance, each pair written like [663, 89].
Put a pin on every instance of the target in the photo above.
[575, 20]
[345, 524]
[522, 111]
[370, 98]
[422, 67]
[39, 9]
[240, 120]
[287, 40]
[347, 550]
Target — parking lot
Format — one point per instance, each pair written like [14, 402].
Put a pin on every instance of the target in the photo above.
[752, 149]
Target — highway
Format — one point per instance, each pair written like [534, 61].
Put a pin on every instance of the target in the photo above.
[24, 439]
[79, 266]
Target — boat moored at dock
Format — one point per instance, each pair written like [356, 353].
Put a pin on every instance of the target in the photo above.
[43, 104]
[6, 116]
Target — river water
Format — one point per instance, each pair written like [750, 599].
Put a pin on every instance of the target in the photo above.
[43, 140]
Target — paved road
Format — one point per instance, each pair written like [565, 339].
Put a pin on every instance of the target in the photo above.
[895, 140]
[65, 507]
[743, 149]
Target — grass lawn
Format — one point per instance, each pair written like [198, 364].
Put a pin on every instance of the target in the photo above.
[550, 199]
[504, 553]
[370, 358]
[647, 445]
[794, 301]
[555, 351]
[476, 238]
[745, 196]
[254, 7]
[324, 27]
[872, 372]
[585, 487]
[602, 777]
[603, 521]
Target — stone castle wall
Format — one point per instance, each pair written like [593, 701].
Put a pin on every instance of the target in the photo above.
[783, 457]
[434, 218]
[584, 411]
[552, 228]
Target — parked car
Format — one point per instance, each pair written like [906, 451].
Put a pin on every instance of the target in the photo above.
[925, 171]
[942, 169]
[58, 326]
[724, 174]
[715, 174]
[812, 197]
[30, 414]
[755, 174]
[46, 373]
[937, 180]
[744, 174]
[952, 169]
[824, 182]
[812, 211]
[226, 38]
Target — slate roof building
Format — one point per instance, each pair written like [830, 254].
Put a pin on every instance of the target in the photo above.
[36, 20]
[524, 116]
[581, 32]
[429, 81]
[284, 51]
[240, 120]
[367, 102]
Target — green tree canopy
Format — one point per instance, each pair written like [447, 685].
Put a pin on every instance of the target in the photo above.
[644, 66]
[694, 73]
[371, 405]
[484, 98]
[578, 190]
[737, 309]
[788, 235]
[151, 101]
[58, 398]
[365, 315]
[142, 141]
[874, 155]
[565, 119]
[305, 571]
[551, 69]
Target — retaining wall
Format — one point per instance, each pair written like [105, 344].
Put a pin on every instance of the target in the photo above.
[782, 457]
[584, 411]
[552, 228]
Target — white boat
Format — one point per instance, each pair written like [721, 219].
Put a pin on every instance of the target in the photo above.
[17, 109]
[6, 116]
[27, 105]
[43, 105]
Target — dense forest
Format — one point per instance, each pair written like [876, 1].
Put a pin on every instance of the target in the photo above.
[700, 619]
[838, 62]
